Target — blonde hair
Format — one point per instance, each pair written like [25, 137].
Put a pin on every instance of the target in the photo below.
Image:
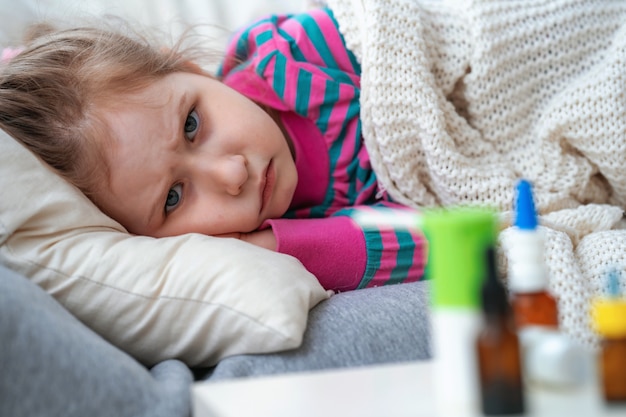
[50, 92]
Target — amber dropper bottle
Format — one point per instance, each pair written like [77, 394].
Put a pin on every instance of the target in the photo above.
[609, 320]
[498, 349]
[533, 305]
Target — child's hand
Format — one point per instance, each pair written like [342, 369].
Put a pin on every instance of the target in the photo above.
[264, 238]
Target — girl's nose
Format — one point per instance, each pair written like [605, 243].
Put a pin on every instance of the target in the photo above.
[231, 173]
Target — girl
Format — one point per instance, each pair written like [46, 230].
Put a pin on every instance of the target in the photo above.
[269, 151]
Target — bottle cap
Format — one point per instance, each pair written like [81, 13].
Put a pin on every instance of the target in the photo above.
[609, 317]
[457, 240]
[525, 213]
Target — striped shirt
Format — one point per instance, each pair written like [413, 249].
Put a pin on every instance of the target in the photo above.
[299, 66]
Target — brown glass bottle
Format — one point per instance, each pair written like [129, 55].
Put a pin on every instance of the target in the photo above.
[535, 309]
[532, 303]
[613, 369]
[609, 321]
[498, 350]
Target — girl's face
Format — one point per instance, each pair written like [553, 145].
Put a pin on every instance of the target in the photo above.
[189, 154]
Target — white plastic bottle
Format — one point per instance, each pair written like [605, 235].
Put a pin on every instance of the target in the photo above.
[457, 239]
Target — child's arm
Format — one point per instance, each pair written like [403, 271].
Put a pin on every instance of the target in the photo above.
[345, 255]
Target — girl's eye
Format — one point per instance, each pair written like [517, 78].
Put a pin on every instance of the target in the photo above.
[192, 125]
[174, 195]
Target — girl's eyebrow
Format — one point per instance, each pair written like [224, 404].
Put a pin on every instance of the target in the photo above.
[154, 212]
[180, 111]
[157, 207]
[183, 111]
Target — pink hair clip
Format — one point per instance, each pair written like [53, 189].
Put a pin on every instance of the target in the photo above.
[9, 53]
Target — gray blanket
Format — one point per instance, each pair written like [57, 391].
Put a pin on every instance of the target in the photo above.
[52, 365]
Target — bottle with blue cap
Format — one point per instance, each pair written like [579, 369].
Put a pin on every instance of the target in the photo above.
[550, 358]
[533, 304]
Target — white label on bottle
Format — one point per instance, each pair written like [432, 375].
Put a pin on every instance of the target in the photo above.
[455, 362]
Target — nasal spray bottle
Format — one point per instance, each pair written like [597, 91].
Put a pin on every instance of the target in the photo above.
[549, 357]
[533, 305]
[457, 241]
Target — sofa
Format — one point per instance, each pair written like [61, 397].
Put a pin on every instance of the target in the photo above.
[54, 365]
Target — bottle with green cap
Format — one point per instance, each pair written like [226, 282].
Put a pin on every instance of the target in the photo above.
[457, 240]
[609, 321]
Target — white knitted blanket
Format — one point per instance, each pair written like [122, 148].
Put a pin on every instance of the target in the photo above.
[461, 99]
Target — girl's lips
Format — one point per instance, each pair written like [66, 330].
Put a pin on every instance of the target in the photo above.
[267, 185]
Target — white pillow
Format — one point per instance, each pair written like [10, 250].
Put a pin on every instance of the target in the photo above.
[193, 297]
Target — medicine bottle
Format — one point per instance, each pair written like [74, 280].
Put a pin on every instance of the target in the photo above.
[457, 239]
[609, 321]
[533, 304]
[498, 349]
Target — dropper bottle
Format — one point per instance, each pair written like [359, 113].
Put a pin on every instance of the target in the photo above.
[533, 304]
[550, 358]
[498, 349]
[609, 321]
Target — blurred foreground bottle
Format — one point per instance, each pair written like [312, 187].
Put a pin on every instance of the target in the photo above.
[498, 349]
[457, 240]
[549, 357]
[609, 320]
[533, 305]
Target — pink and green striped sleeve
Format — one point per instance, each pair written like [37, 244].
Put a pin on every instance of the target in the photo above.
[346, 254]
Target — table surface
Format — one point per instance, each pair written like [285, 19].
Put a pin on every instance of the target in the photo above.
[396, 390]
